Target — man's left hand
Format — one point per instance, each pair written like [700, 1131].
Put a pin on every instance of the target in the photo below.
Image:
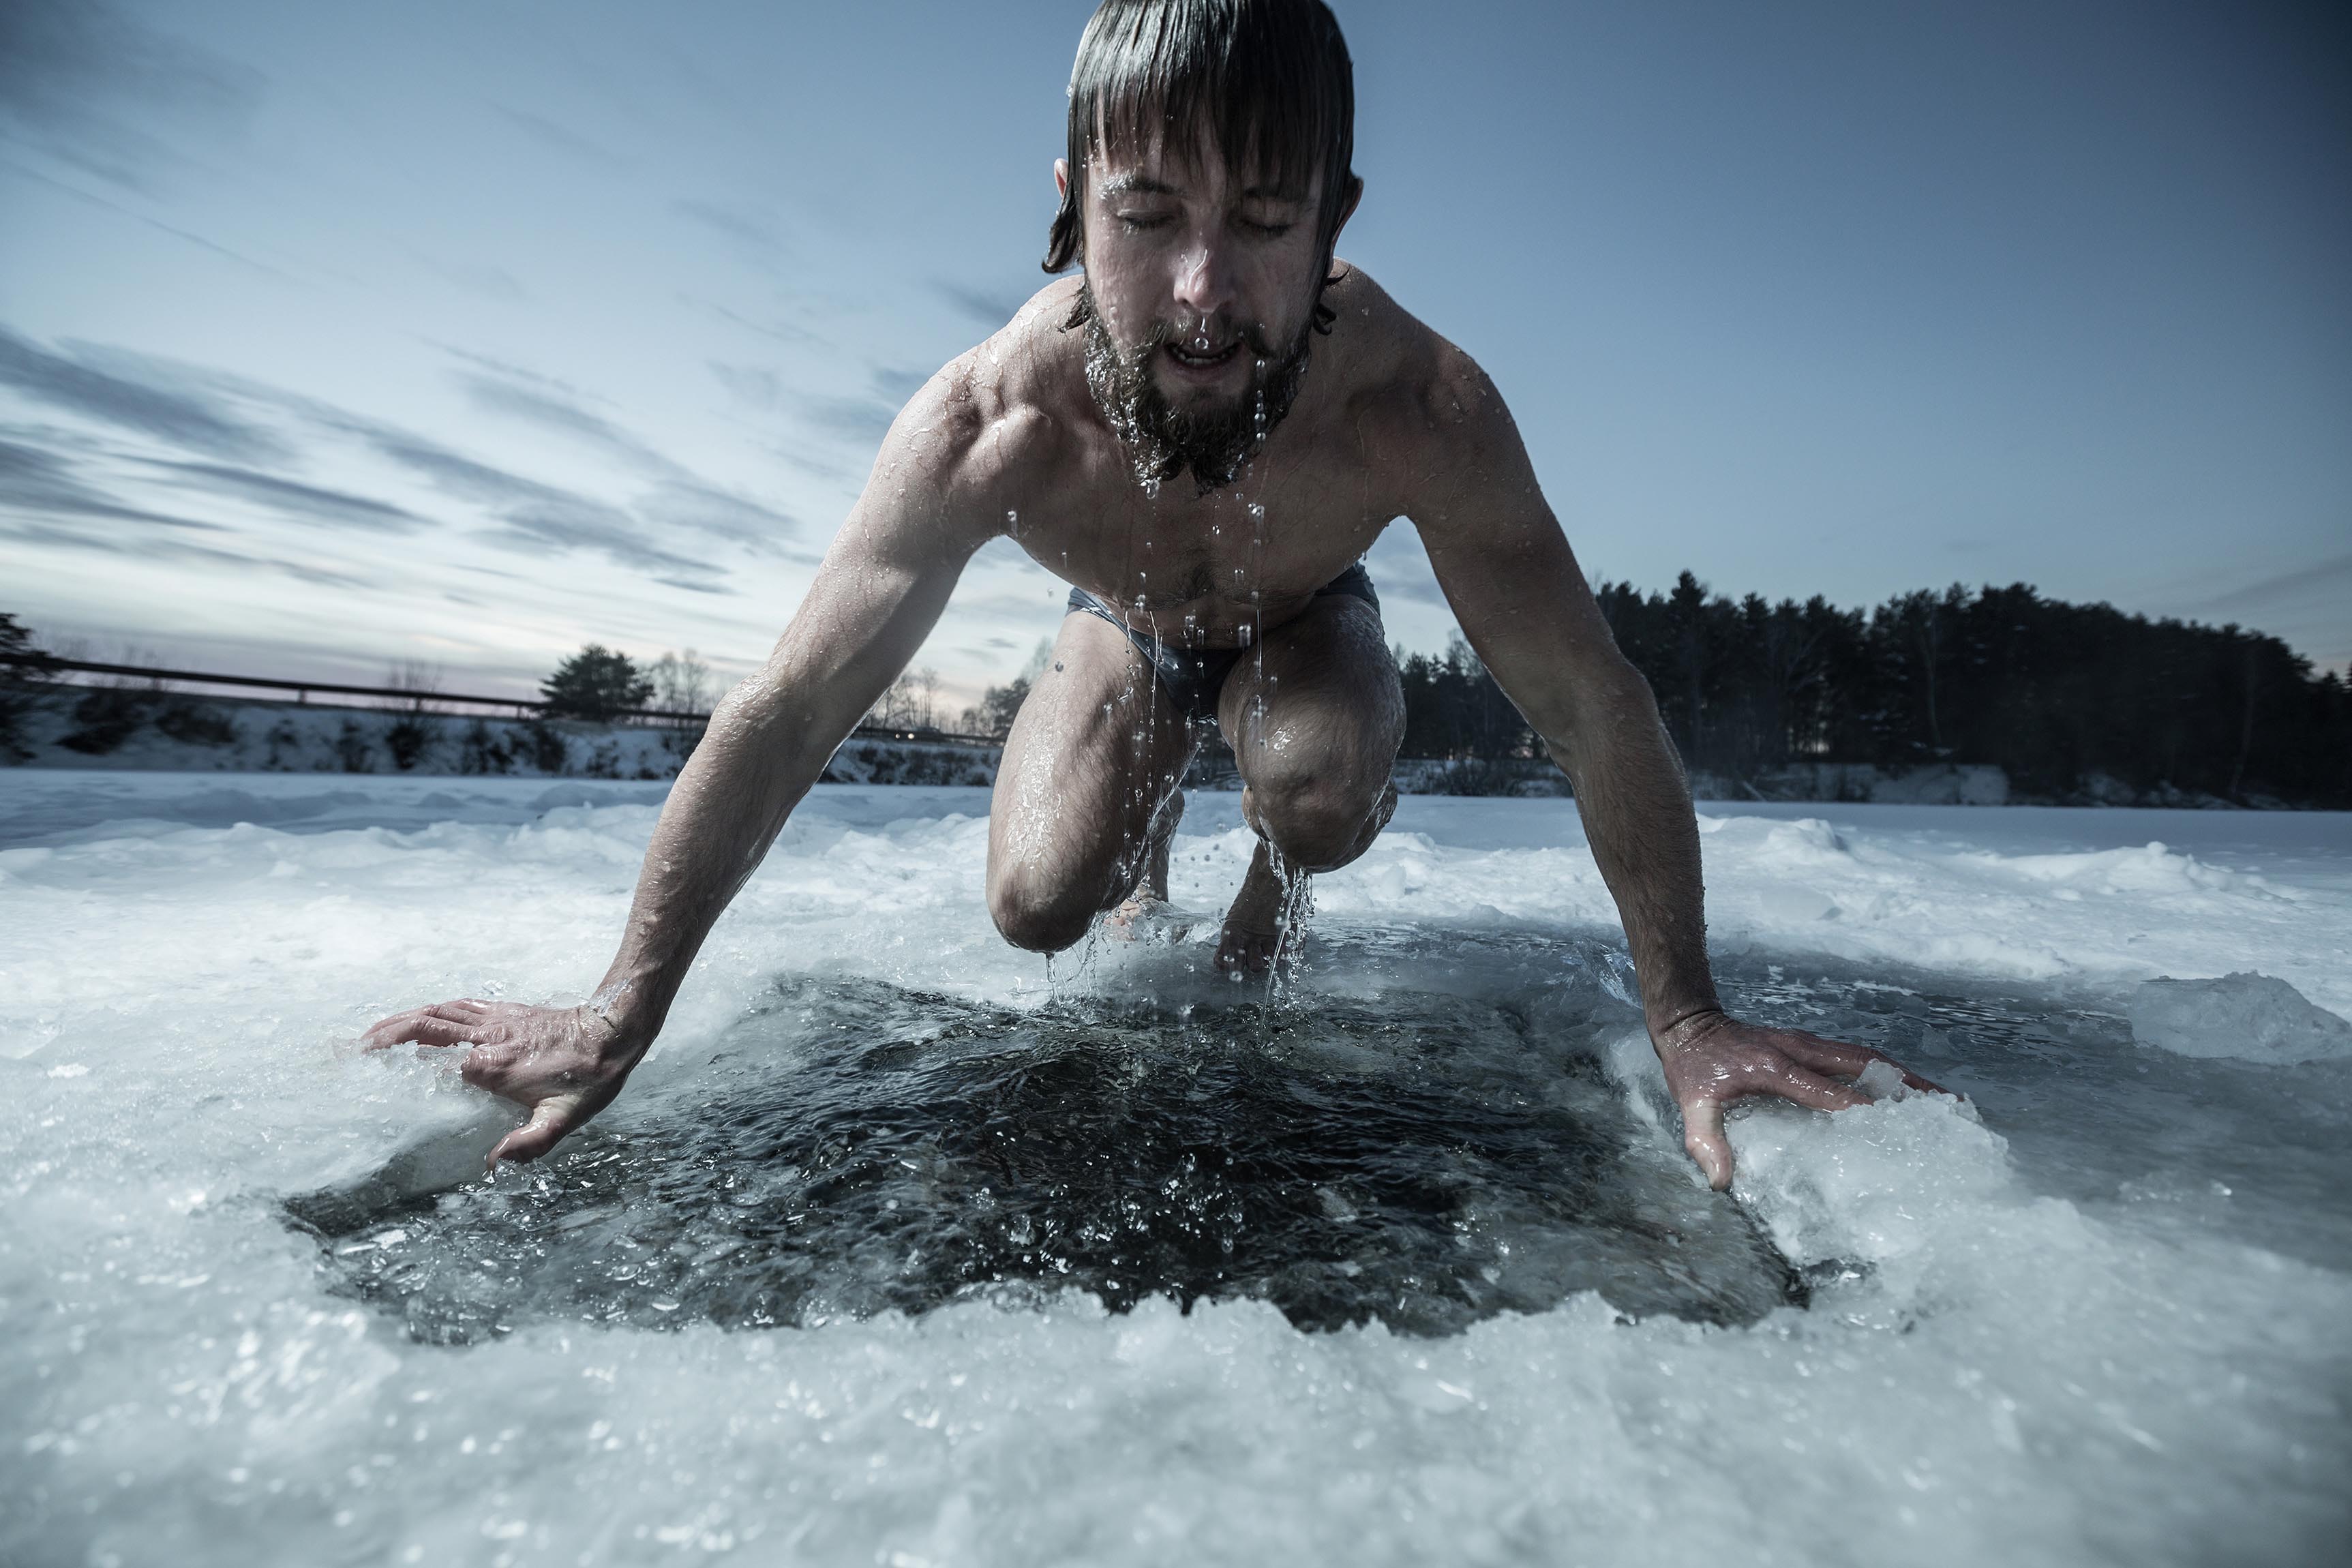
[1712, 1060]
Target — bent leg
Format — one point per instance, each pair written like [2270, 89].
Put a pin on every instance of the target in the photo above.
[1083, 803]
[1315, 724]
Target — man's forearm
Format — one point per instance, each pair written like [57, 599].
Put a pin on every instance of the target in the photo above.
[754, 764]
[1636, 808]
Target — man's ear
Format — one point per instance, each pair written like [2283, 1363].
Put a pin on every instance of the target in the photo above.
[1348, 206]
[1062, 177]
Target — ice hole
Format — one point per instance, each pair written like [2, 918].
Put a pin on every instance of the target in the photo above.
[852, 1148]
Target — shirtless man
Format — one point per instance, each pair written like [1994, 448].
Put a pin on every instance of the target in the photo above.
[1203, 434]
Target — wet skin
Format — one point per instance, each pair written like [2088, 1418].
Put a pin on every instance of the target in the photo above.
[1391, 421]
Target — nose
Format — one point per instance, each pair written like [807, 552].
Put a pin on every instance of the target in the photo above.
[1204, 280]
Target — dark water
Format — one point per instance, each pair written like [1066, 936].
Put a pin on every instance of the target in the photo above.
[1415, 1157]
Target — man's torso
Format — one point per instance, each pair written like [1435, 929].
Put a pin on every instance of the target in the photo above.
[1214, 570]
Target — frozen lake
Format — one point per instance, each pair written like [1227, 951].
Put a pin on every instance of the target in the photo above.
[901, 1250]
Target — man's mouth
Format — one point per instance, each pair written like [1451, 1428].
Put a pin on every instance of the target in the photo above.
[1195, 356]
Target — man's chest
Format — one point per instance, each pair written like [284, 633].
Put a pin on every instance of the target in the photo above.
[1282, 530]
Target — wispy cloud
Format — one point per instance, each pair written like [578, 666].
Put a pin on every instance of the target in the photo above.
[178, 549]
[40, 492]
[861, 419]
[566, 414]
[36, 486]
[721, 514]
[1400, 569]
[147, 220]
[561, 138]
[750, 235]
[2331, 576]
[180, 417]
[895, 387]
[988, 309]
[530, 515]
[750, 384]
[678, 498]
[302, 502]
[489, 282]
[786, 333]
[230, 438]
[87, 84]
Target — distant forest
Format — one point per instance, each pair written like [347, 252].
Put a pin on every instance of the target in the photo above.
[2058, 695]
[2074, 702]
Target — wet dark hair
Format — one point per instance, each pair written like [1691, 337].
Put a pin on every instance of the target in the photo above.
[1270, 79]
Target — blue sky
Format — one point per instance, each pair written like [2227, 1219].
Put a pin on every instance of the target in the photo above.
[337, 337]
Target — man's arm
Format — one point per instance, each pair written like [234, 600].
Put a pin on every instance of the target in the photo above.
[1515, 587]
[881, 588]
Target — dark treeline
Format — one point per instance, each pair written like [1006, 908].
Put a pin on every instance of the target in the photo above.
[2058, 695]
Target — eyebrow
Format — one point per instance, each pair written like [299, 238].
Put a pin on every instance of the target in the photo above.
[1128, 183]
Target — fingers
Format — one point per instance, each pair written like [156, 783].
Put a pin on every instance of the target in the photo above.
[442, 1024]
[550, 1121]
[1847, 1061]
[424, 1030]
[1809, 1090]
[1704, 1141]
[390, 1031]
[1703, 1136]
[443, 1032]
[1824, 1055]
[401, 1028]
[1916, 1081]
[1724, 1061]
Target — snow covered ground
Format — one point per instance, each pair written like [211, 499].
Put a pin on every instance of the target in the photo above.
[2101, 1313]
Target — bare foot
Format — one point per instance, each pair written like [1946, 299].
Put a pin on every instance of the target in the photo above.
[1147, 913]
[1147, 917]
[1254, 926]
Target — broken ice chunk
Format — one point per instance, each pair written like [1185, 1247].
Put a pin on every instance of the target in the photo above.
[2252, 1017]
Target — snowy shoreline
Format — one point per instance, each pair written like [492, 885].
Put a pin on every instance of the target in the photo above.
[143, 731]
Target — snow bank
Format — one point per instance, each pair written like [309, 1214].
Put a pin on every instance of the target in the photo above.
[2136, 1368]
[137, 727]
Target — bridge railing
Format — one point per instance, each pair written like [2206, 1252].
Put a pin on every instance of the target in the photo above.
[42, 665]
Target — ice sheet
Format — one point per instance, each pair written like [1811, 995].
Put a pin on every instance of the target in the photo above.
[2099, 1315]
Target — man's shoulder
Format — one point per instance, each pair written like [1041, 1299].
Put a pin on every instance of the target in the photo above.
[1395, 366]
[1009, 396]
[992, 413]
[1426, 414]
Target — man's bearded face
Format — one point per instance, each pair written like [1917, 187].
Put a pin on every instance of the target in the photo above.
[1210, 438]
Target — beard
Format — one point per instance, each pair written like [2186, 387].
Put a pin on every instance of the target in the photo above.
[1162, 440]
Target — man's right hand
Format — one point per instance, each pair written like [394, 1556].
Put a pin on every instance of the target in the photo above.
[562, 1064]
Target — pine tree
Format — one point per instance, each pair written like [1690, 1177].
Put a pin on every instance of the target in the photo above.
[595, 683]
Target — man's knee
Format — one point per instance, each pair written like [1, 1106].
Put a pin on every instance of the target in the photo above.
[1031, 915]
[1320, 820]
